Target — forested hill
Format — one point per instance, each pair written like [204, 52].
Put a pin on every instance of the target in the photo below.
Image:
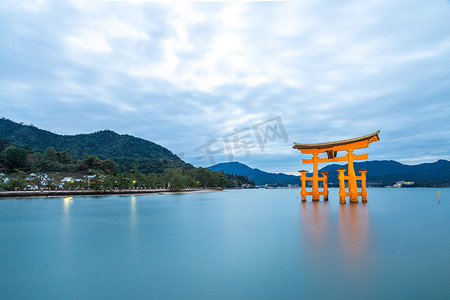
[126, 150]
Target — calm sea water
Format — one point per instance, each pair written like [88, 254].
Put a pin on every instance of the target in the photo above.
[248, 244]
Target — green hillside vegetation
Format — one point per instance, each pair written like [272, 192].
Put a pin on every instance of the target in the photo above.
[117, 161]
[17, 162]
[128, 152]
[174, 179]
[14, 159]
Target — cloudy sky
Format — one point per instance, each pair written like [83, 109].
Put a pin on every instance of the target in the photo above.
[241, 79]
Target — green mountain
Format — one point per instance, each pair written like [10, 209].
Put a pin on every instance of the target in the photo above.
[126, 150]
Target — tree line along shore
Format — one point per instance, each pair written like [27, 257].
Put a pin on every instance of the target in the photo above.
[23, 169]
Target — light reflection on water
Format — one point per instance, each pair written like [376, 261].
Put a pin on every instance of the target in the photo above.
[353, 224]
[133, 213]
[315, 223]
[226, 245]
[354, 231]
[67, 202]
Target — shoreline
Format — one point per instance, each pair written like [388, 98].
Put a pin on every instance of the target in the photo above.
[61, 193]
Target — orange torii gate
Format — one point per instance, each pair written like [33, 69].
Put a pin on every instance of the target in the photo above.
[332, 149]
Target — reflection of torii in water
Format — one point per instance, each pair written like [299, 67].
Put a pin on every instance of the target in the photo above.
[332, 148]
[319, 222]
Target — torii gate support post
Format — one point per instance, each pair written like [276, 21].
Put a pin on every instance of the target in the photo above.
[352, 186]
[315, 181]
[325, 185]
[342, 193]
[341, 178]
[363, 185]
[303, 179]
[315, 193]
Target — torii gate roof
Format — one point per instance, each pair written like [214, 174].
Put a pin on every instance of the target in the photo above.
[373, 137]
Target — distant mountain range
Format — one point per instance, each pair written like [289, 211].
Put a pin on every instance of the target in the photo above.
[125, 149]
[379, 172]
[260, 177]
[389, 171]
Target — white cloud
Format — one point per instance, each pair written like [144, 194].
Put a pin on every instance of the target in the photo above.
[36, 6]
[88, 41]
[181, 73]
